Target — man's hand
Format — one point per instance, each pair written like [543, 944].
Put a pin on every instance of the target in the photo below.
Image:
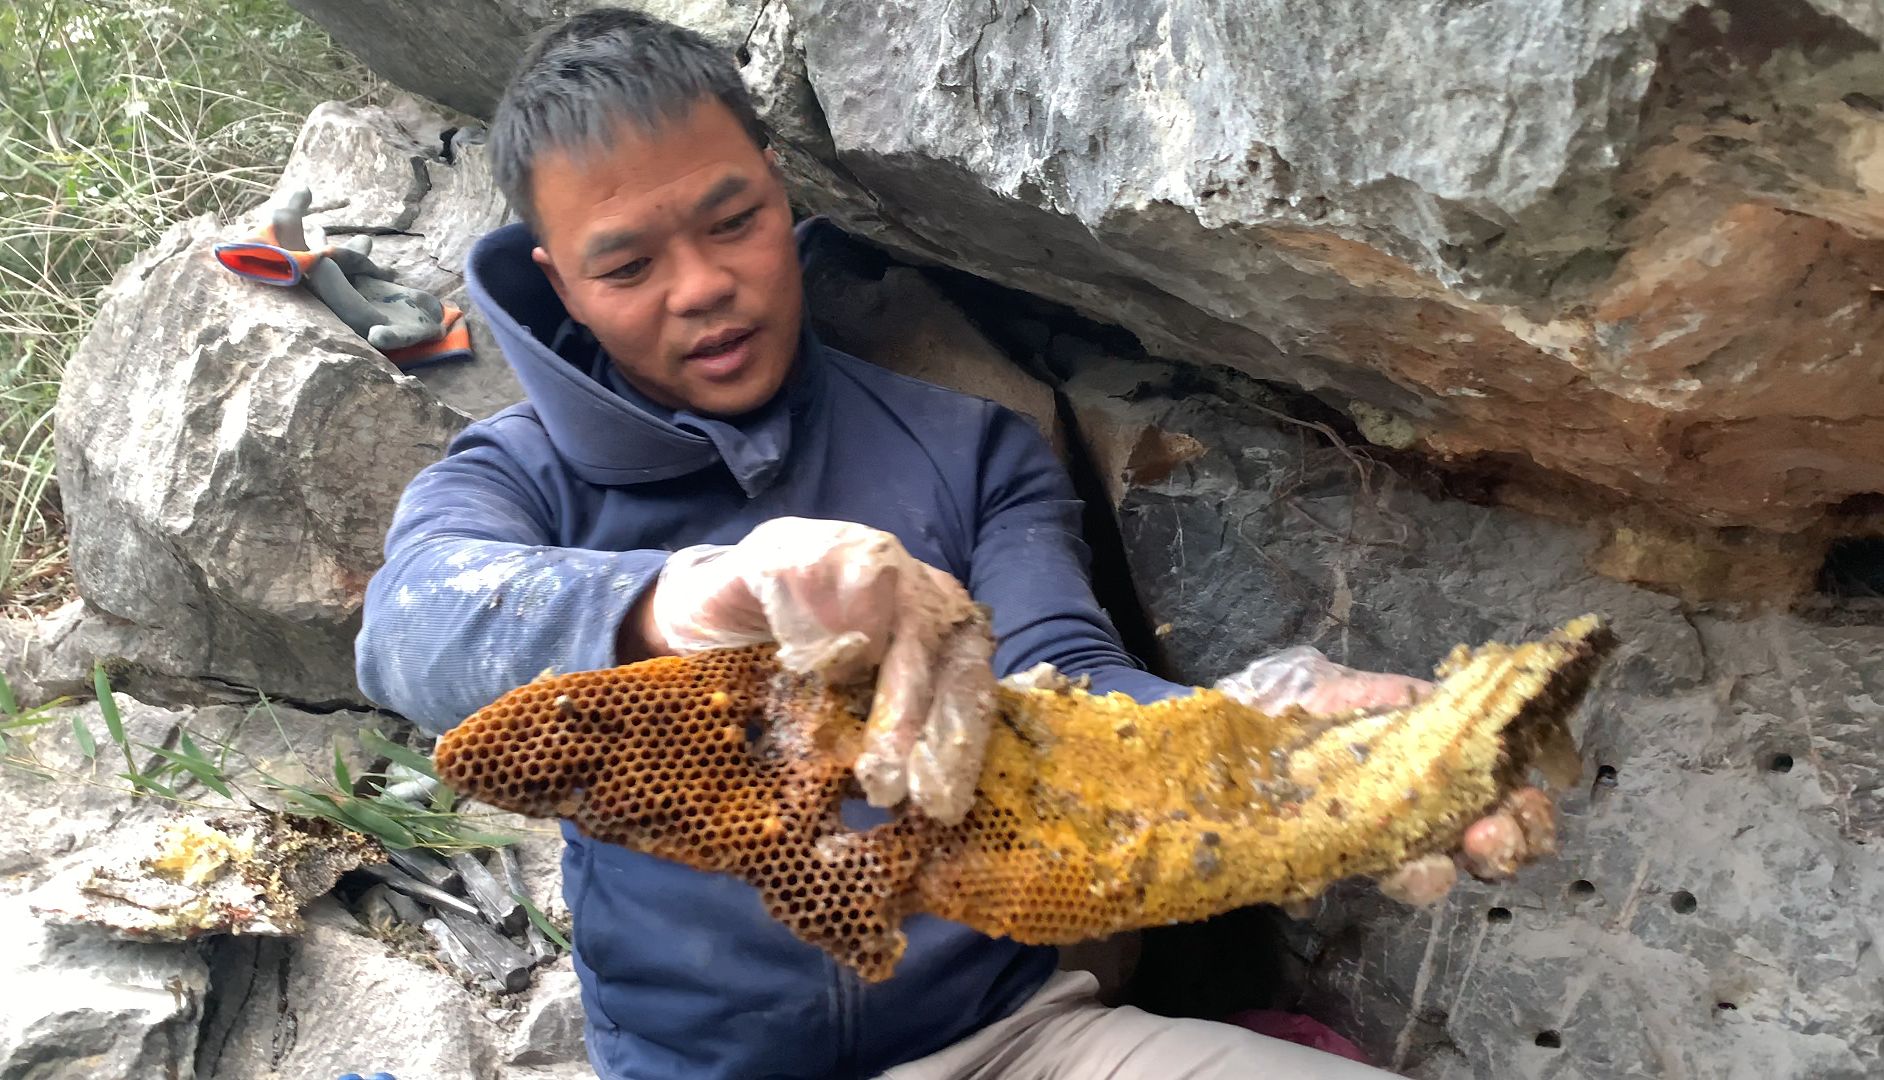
[841, 599]
[1523, 828]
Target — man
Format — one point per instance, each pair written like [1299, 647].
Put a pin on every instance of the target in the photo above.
[693, 469]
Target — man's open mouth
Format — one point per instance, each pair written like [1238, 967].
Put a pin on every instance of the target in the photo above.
[721, 343]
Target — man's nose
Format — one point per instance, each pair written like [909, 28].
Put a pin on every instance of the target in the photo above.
[700, 284]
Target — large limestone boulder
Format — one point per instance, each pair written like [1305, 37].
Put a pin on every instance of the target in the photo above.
[82, 1005]
[230, 454]
[1633, 246]
[1720, 878]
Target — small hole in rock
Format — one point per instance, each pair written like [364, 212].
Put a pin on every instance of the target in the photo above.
[1853, 567]
[743, 55]
[1683, 901]
[1549, 1040]
[1581, 887]
[1725, 1006]
[1498, 915]
[1606, 774]
[1780, 763]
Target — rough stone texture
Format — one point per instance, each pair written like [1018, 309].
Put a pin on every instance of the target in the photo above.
[77, 801]
[230, 454]
[81, 802]
[549, 1032]
[1518, 232]
[896, 318]
[1728, 913]
[336, 1001]
[82, 1005]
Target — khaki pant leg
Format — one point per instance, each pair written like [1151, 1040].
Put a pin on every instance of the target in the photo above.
[1064, 1033]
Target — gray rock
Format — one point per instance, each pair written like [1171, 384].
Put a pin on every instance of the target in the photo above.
[1473, 223]
[336, 1001]
[1708, 915]
[265, 739]
[550, 1030]
[229, 463]
[55, 801]
[193, 874]
[82, 1005]
[894, 317]
[230, 454]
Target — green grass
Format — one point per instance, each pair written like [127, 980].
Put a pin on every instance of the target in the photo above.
[117, 119]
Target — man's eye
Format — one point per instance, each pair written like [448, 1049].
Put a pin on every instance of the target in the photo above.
[735, 223]
[628, 271]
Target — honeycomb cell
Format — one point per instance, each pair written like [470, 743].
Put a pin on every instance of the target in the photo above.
[1080, 828]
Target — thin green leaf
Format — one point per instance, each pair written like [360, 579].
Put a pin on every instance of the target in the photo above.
[378, 825]
[86, 744]
[473, 836]
[315, 804]
[29, 720]
[542, 921]
[342, 778]
[144, 783]
[198, 767]
[375, 743]
[107, 705]
[9, 704]
[443, 798]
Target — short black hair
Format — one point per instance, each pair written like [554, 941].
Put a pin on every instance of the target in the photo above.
[582, 77]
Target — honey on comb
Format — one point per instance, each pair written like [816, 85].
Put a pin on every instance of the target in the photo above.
[1093, 814]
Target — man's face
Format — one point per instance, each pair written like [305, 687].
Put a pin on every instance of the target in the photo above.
[675, 249]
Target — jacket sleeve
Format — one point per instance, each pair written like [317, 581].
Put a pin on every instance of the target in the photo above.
[1031, 567]
[474, 598]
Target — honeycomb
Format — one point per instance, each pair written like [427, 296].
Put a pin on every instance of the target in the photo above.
[1093, 814]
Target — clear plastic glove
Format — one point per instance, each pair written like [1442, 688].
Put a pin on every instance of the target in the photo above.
[1303, 677]
[840, 599]
[1524, 827]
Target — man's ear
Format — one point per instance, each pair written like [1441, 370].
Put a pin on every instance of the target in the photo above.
[543, 263]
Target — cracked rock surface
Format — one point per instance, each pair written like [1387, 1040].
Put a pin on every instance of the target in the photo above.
[1714, 910]
[1632, 245]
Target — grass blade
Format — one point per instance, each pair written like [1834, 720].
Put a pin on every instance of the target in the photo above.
[86, 744]
[542, 921]
[108, 706]
[378, 825]
[199, 767]
[375, 743]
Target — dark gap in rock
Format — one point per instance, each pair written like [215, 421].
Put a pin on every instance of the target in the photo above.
[1863, 102]
[1853, 567]
[1606, 774]
[743, 55]
[447, 152]
[1003, 316]
[1582, 887]
[1683, 902]
[1182, 970]
[1549, 1040]
[1111, 569]
[1725, 1006]
[1780, 763]
[1498, 915]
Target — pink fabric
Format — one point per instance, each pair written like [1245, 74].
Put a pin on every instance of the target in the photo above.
[1299, 1029]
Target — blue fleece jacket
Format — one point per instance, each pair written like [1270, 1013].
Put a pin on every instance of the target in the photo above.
[524, 548]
